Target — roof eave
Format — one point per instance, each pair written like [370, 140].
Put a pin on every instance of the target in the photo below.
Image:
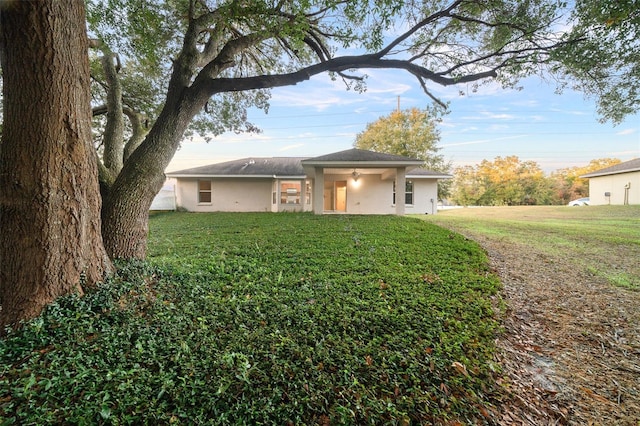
[212, 176]
[362, 164]
[410, 176]
[619, 172]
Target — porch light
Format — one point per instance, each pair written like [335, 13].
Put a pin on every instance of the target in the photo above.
[355, 175]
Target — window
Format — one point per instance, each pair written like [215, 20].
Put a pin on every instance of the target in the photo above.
[204, 191]
[290, 193]
[408, 193]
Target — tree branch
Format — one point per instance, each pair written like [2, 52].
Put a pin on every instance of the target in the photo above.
[138, 129]
[344, 63]
[419, 26]
[114, 128]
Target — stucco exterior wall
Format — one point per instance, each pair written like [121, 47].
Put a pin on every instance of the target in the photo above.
[425, 197]
[370, 194]
[614, 185]
[227, 195]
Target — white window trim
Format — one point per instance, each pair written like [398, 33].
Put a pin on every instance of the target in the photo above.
[210, 191]
[413, 194]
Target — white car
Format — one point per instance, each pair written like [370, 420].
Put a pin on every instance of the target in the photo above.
[579, 202]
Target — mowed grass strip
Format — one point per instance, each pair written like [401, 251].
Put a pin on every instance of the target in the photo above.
[604, 240]
[269, 319]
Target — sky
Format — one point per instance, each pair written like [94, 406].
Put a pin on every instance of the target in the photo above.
[320, 116]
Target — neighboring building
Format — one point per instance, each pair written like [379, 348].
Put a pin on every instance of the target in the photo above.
[353, 181]
[619, 184]
[165, 199]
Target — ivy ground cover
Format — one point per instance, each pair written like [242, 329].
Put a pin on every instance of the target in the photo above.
[268, 319]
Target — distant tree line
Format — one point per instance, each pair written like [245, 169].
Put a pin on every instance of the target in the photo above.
[507, 181]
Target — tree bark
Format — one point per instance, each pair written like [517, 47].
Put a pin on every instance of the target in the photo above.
[114, 130]
[50, 239]
[125, 212]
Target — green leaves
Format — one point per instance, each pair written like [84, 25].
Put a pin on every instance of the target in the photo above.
[267, 318]
[504, 181]
[605, 62]
[411, 133]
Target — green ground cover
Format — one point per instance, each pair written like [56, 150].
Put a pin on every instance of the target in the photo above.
[268, 319]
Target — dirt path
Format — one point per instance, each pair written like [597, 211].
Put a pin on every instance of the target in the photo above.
[571, 347]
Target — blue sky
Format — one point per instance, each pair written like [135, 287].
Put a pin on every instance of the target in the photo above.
[320, 116]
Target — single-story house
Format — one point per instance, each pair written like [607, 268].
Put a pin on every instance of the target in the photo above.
[354, 181]
[618, 184]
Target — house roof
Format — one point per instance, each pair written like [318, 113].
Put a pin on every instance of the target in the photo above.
[625, 167]
[361, 157]
[248, 167]
[292, 167]
[426, 173]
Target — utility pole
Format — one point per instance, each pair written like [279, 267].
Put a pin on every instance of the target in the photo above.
[398, 108]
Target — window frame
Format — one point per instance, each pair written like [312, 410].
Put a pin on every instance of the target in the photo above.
[285, 194]
[202, 191]
[409, 193]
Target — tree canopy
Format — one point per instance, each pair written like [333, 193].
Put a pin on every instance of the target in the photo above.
[510, 181]
[605, 62]
[504, 181]
[569, 185]
[411, 133]
[253, 46]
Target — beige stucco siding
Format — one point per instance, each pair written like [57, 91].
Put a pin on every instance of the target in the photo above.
[615, 185]
[424, 191]
[227, 195]
[369, 195]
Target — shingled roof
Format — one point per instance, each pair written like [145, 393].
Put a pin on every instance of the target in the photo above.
[426, 173]
[625, 167]
[354, 154]
[292, 167]
[247, 167]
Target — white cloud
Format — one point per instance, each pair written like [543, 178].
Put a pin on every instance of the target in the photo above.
[482, 141]
[626, 132]
[318, 99]
[488, 115]
[569, 111]
[527, 103]
[230, 139]
[290, 147]
[321, 93]
[498, 127]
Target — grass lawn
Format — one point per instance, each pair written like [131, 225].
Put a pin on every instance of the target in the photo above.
[268, 319]
[602, 239]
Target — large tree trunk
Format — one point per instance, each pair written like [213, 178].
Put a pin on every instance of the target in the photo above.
[125, 211]
[50, 241]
